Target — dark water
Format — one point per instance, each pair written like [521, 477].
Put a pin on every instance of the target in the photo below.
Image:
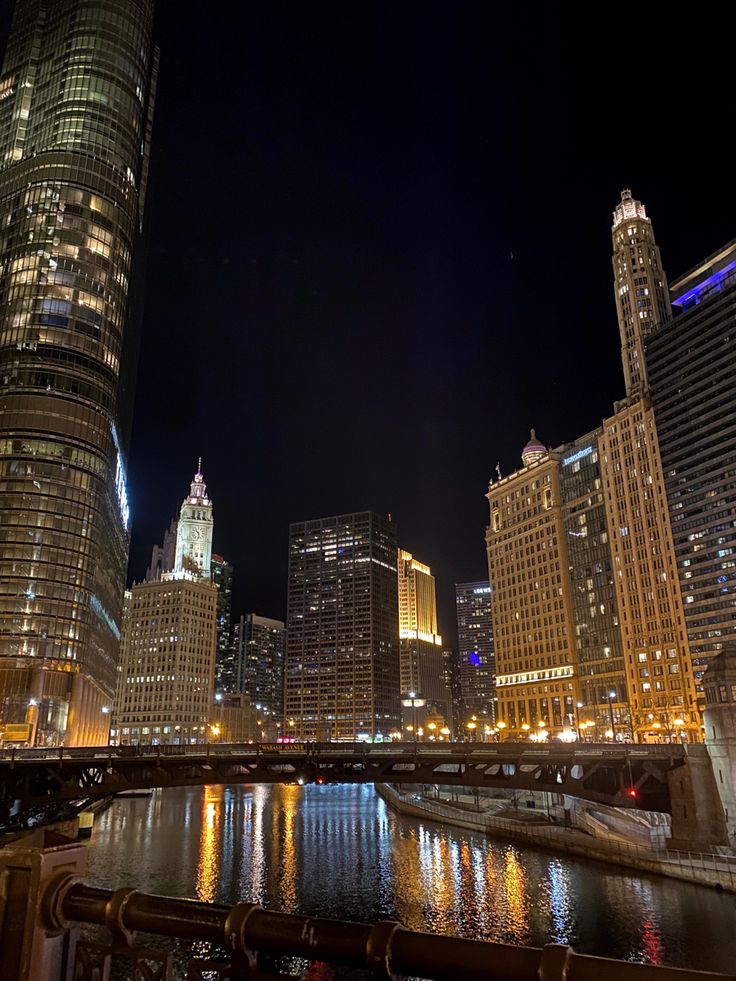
[338, 851]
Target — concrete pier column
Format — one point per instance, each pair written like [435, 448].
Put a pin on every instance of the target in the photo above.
[698, 821]
[719, 685]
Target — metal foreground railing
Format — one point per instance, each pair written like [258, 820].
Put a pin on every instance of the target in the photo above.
[385, 949]
[43, 903]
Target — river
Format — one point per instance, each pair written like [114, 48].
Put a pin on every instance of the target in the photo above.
[339, 851]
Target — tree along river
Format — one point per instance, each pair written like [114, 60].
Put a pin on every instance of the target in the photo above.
[339, 851]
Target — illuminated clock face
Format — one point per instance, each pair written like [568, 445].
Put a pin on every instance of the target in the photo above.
[195, 534]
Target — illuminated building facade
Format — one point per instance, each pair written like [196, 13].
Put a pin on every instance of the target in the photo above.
[222, 577]
[168, 653]
[692, 365]
[194, 531]
[533, 621]
[422, 667]
[342, 646]
[602, 698]
[259, 646]
[76, 107]
[655, 645]
[642, 300]
[475, 662]
[167, 663]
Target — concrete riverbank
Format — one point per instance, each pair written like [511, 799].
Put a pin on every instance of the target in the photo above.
[717, 871]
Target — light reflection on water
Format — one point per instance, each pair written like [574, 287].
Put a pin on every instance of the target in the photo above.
[337, 851]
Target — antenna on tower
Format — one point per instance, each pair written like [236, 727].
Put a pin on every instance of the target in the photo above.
[199, 465]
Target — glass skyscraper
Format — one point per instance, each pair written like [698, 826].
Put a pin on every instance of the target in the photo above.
[602, 690]
[259, 666]
[691, 363]
[342, 639]
[476, 660]
[76, 108]
[222, 577]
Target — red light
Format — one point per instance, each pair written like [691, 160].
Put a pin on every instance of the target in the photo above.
[632, 792]
[320, 779]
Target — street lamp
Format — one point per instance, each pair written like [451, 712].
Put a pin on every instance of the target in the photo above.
[578, 706]
[472, 726]
[500, 726]
[611, 696]
[413, 701]
[525, 727]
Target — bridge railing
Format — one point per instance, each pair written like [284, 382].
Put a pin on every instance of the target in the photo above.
[39, 936]
[478, 751]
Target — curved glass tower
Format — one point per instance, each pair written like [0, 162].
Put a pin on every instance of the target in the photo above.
[76, 107]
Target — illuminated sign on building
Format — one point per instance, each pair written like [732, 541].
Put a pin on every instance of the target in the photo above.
[121, 483]
[482, 589]
[577, 456]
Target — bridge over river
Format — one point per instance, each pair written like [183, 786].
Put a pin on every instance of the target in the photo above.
[41, 784]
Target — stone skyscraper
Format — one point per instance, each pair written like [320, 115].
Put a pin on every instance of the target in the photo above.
[76, 108]
[533, 622]
[642, 300]
[342, 638]
[168, 653]
[655, 644]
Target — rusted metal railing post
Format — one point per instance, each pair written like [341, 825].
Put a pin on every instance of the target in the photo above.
[29, 949]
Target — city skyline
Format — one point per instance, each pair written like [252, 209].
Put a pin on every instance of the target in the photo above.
[453, 546]
[487, 166]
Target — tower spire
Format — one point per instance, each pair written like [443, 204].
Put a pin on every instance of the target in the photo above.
[642, 295]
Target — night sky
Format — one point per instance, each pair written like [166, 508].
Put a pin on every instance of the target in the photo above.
[380, 252]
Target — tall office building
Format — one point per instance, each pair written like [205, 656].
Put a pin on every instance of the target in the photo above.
[557, 634]
[452, 683]
[76, 107]
[602, 695]
[642, 301]
[533, 622]
[342, 645]
[168, 653]
[692, 364]
[422, 666]
[476, 661]
[259, 646]
[655, 646]
[222, 577]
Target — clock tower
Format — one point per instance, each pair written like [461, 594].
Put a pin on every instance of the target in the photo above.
[194, 531]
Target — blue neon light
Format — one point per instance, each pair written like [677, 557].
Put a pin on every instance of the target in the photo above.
[474, 659]
[715, 280]
[577, 456]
